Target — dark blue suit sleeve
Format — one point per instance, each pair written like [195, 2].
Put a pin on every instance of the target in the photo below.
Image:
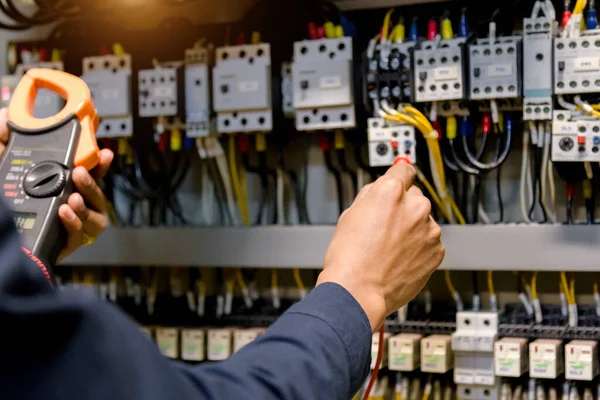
[67, 344]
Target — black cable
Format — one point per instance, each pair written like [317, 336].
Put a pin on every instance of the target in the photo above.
[570, 210]
[341, 154]
[338, 180]
[213, 172]
[499, 192]
[264, 185]
[476, 199]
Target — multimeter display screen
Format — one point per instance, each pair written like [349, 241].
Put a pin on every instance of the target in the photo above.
[25, 221]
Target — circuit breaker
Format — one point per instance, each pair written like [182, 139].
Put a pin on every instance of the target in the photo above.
[242, 337]
[323, 84]
[389, 140]
[167, 340]
[198, 92]
[463, 339]
[404, 352]
[436, 354]
[537, 68]
[546, 358]
[495, 69]
[192, 344]
[511, 357]
[581, 360]
[577, 64]
[109, 80]
[575, 137]
[478, 392]
[219, 344]
[375, 349]
[242, 89]
[47, 103]
[438, 72]
[161, 91]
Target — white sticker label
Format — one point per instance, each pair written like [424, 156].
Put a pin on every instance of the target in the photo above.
[110, 94]
[587, 64]
[500, 70]
[163, 91]
[445, 73]
[377, 135]
[219, 344]
[248, 86]
[330, 82]
[567, 128]
[192, 345]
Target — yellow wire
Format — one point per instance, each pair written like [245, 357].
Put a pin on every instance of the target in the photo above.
[386, 24]
[274, 279]
[595, 287]
[565, 286]
[449, 281]
[579, 6]
[534, 293]
[236, 181]
[298, 279]
[436, 199]
[240, 279]
[490, 278]
[572, 289]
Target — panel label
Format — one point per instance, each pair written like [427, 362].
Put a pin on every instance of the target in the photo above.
[330, 82]
[587, 64]
[248, 86]
[566, 128]
[163, 91]
[500, 70]
[445, 73]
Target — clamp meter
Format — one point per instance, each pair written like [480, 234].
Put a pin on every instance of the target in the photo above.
[35, 169]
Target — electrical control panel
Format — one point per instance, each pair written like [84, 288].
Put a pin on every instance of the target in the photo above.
[47, 103]
[219, 344]
[161, 91]
[436, 354]
[287, 90]
[404, 352]
[575, 137]
[167, 340]
[388, 74]
[495, 69]
[198, 88]
[577, 64]
[109, 80]
[323, 88]
[546, 358]
[581, 360]
[511, 356]
[375, 349]
[192, 345]
[242, 337]
[537, 68]
[439, 72]
[242, 89]
[389, 140]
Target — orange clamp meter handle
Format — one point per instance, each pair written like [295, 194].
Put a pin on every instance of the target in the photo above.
[79, 104]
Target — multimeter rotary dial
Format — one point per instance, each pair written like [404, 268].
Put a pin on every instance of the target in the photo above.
[46, 179]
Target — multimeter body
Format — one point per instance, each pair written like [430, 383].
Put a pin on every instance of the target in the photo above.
[36, 174]
[36, 167]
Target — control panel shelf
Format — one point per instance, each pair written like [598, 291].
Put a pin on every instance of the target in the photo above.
[498, 247]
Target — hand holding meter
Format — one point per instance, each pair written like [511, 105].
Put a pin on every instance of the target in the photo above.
[36, 167]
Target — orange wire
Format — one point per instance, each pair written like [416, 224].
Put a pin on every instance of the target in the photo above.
[377, 364]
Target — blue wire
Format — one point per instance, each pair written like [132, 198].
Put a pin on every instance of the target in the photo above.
[592, 19]
[463, 27]
[413, 34]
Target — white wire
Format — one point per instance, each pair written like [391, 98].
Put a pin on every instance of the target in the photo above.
[224, 171]
[280, 198]
[208, 197]
[360, 178]
[566, 105]
[544, 174]
[524, 178]
[483, 215]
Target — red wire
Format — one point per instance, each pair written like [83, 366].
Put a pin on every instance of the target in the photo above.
[377, 364]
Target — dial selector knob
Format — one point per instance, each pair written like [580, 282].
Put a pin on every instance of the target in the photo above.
[46, 179]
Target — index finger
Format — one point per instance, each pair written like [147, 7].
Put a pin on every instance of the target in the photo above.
[405, 172]
[106, 158]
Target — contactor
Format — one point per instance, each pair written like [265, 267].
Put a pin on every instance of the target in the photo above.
[161, 91]
[577, 64]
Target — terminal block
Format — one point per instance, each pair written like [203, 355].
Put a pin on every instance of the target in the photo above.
[109, 80]
[375, 349]
[546, 359]
[495, 69]
[388, 75]
[581, 360]
[577, 64]
[198, 93]
[167, 340]
[575, 137]
[511, 356]
[404, 352]
[436, 354]
[47, 103]
[161, 91]
[438, 72]
[192, 345]
[537, 68]
[242, 337]
[219, 344]
[323, 84]
[389, 140]
[242, 89]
